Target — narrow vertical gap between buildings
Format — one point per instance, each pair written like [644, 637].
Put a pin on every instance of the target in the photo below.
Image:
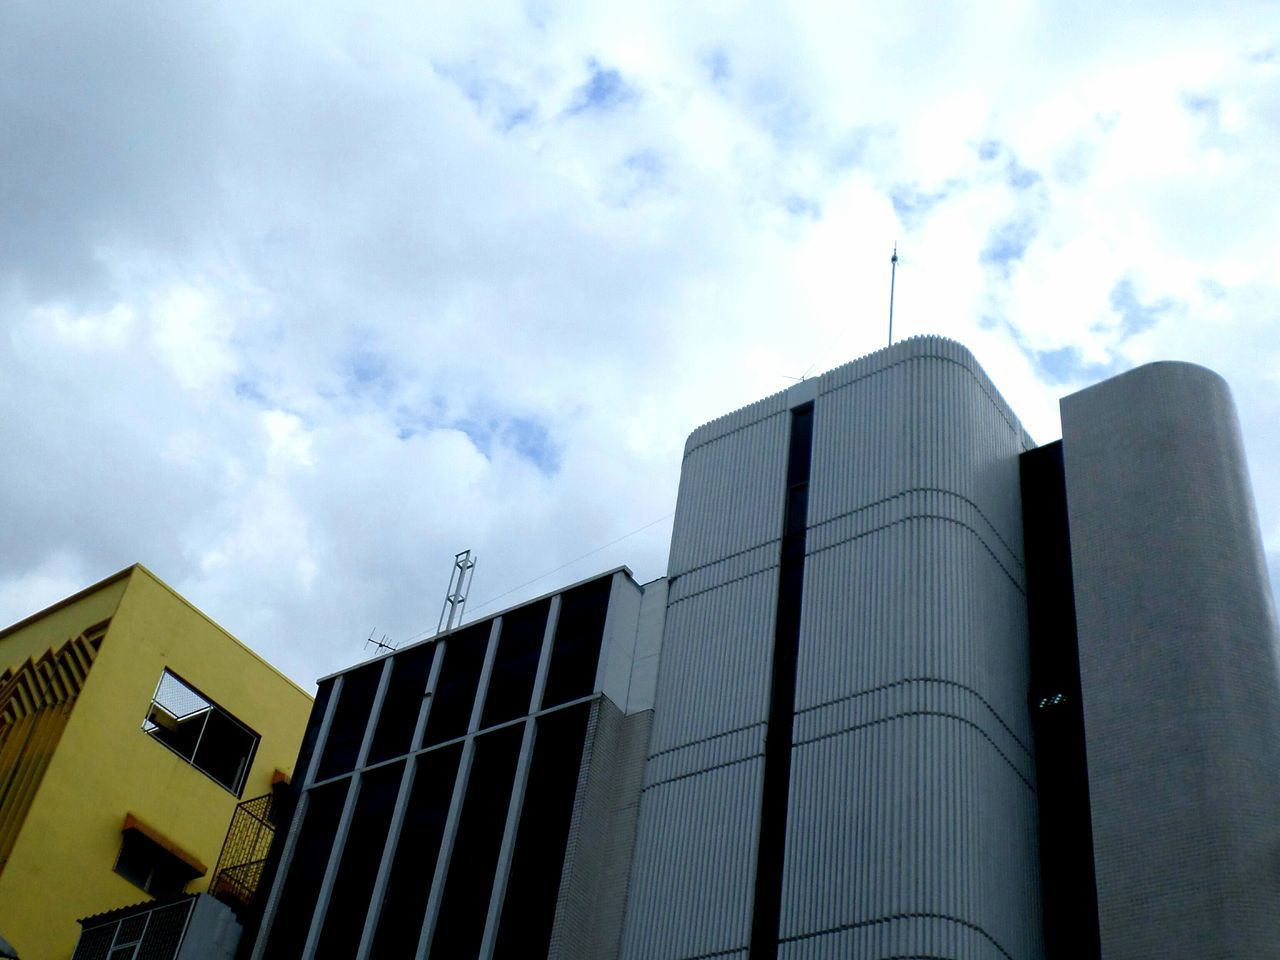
[771, 850]
[1069, 893]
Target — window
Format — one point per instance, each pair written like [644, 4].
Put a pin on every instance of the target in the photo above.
[144, 932]
[516, 664]
[350, 718]
[153, 864]
[575, 652]
[201, 732]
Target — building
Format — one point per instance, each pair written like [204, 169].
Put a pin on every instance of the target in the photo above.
[1154, 644]
[922, 689]
[131, 726]
[841, 762]
[475, 794]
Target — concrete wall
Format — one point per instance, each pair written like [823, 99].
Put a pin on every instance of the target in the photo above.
[912, 816]
[213, 933]
[1177, 635]
[597, 862]
[691, 886]
[912, 820]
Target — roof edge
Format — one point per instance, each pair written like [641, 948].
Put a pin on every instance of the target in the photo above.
[67, 601]
[436, 637]
[224, 631]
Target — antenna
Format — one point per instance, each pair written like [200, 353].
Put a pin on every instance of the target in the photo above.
[459, 583]
[893, 275]
[382, 646]
[804, 376]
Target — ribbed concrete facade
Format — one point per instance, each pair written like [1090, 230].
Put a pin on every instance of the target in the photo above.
[691, 891]
[1177, 641]
[911, 811]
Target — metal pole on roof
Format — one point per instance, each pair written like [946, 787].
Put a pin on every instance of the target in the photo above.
[455, 600]
[893, 275]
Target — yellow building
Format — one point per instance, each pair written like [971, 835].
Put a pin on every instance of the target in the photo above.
[130, 727]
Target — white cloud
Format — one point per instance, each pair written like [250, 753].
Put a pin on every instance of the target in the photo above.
[287, 438]
[192, 337]
[298, 303]
[109, 329]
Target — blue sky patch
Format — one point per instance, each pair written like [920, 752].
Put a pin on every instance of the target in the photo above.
[366, 373]
[779, 111]
[1065, 365]
[1062, 365]
[532, 440]
[641, 172]
[1136, 316]
[494, 99]
[803, 207]
[1205, 106]
[249, 390]
[518, 117]
[646, 164]
[365, 366]
[913, 206]
[603, 91]
[718, 66]
[1016, 175]
[1008, 243]
[989, 149]
[524, 436]
[1020, 177]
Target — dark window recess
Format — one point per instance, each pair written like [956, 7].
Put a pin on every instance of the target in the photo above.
[149, 866]
[349, 903]
[475, 853]
[529, 907]
[455, 694]
[402, 703]
[306, 871]
[1069, 890]
[771, 847]
[575, 652]
[404, 903]
[350, 719]
[516, 663]
[201, 732]
[308, 748]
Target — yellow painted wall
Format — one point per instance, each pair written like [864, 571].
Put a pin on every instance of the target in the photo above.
[106, 766]
[29, 638]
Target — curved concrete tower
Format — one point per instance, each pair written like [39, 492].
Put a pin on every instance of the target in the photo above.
[841, 763]
[1178, 672]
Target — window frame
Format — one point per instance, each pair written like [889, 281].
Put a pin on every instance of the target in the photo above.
[140, 847]
[149, 726]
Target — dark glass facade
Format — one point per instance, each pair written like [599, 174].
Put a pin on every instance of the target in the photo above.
[438, 812]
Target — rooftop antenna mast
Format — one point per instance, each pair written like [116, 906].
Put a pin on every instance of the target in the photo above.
[464, 565]
[382, 646]
[893, 275]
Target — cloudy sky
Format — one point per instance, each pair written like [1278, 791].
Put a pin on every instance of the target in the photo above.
[298, 300]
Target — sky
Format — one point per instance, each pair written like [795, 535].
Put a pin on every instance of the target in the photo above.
[299, 300]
